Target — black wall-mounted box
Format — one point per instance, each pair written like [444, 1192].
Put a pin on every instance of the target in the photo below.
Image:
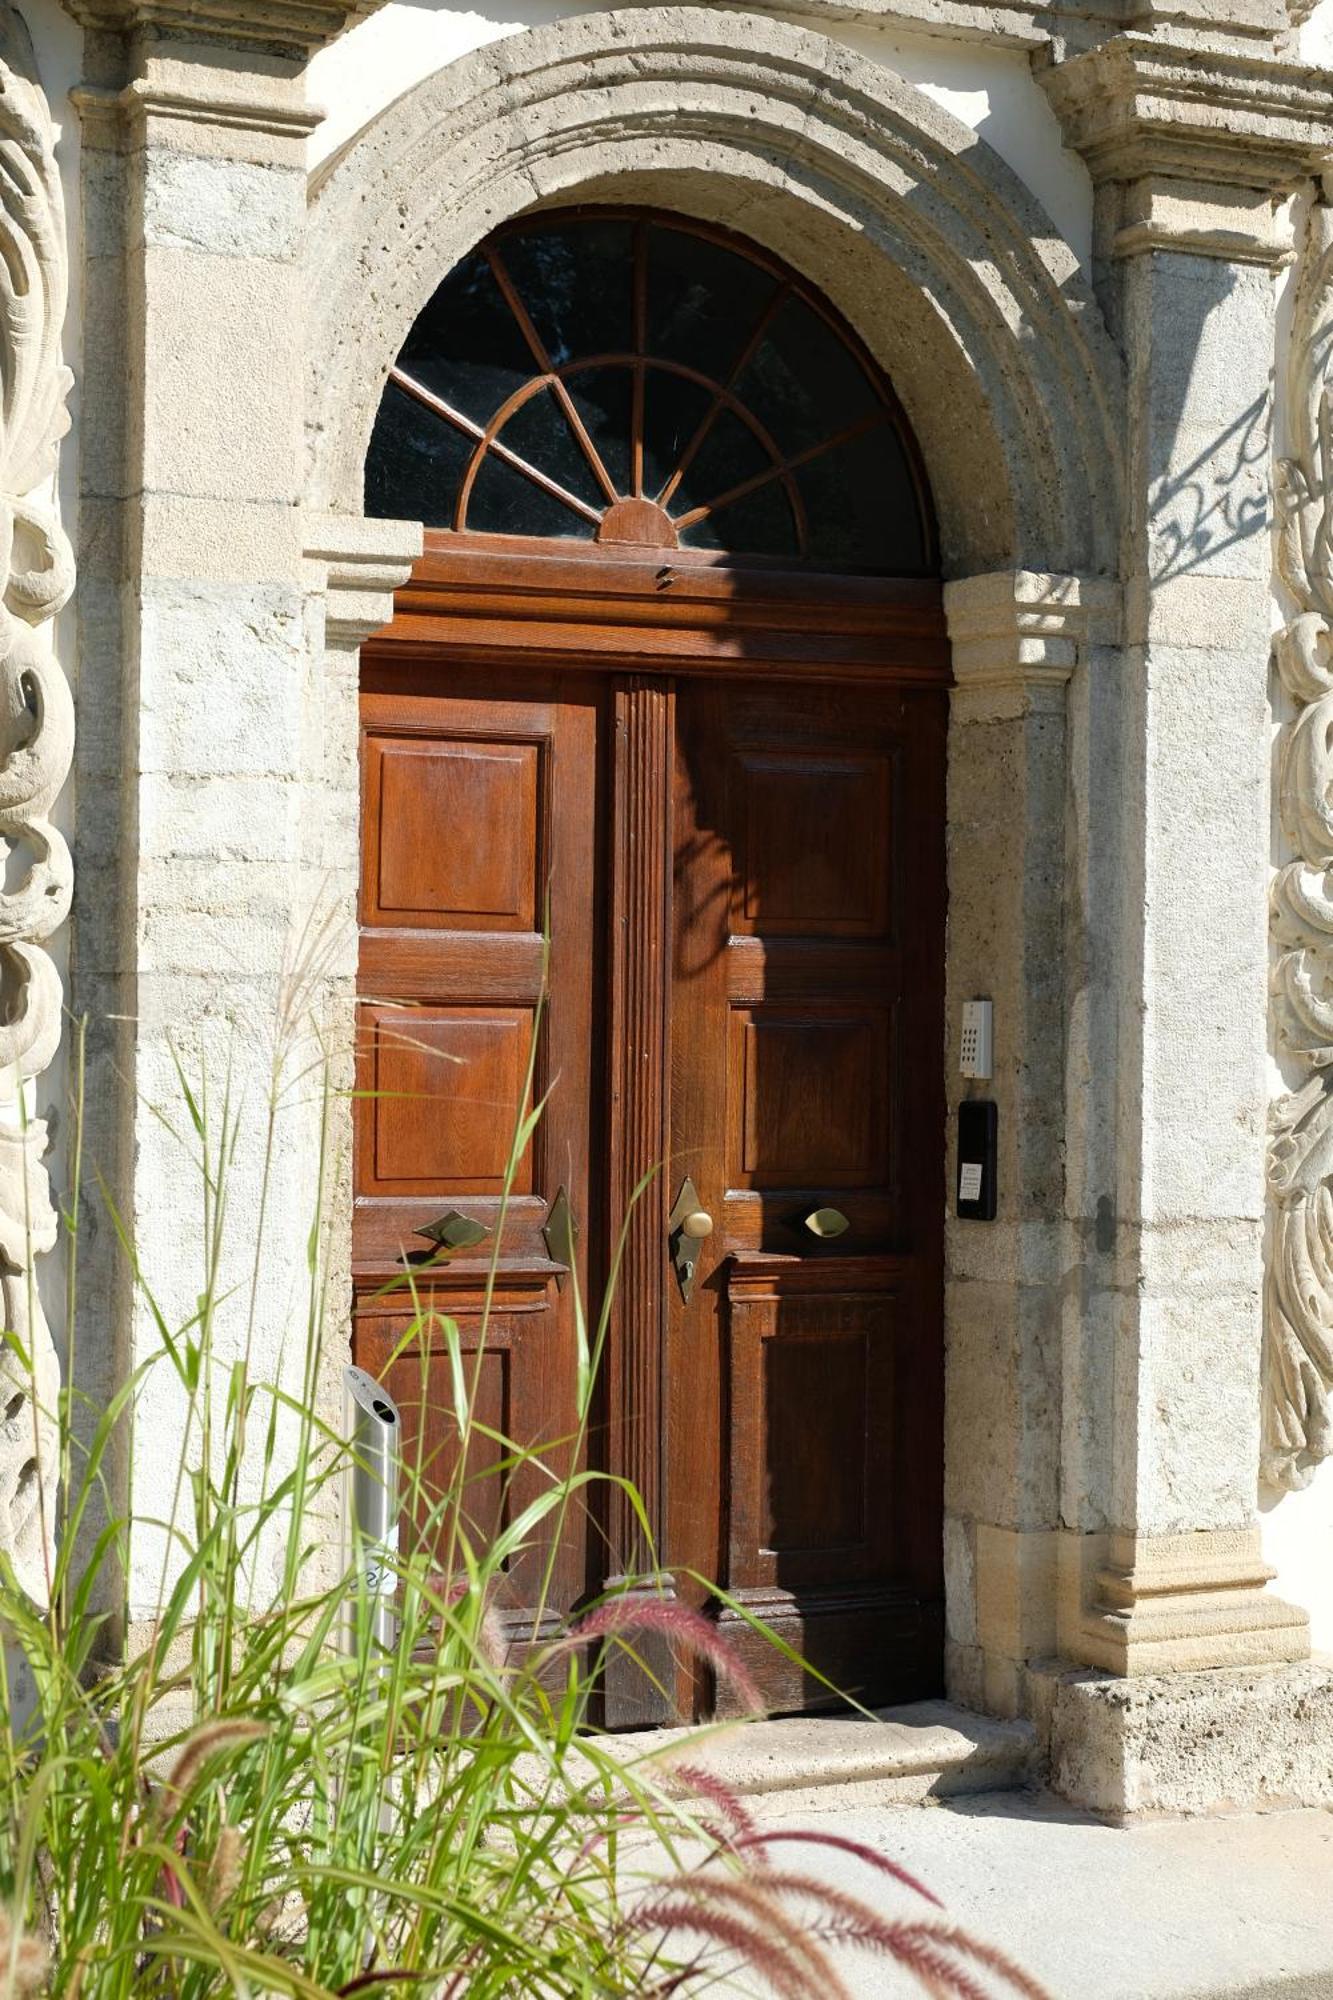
[978, 1130]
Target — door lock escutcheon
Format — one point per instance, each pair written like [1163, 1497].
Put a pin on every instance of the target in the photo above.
[688, 1227]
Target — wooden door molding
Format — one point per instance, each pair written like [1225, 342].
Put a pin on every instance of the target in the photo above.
[638, 1065]
[627, 610]
[638, 1072]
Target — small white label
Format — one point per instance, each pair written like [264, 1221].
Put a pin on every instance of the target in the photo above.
[969, 1181]
[381, 1567]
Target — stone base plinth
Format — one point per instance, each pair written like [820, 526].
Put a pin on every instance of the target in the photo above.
[1233, 1739]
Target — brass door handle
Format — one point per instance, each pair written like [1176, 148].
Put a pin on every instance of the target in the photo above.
[826, 1223]
[697, 1224]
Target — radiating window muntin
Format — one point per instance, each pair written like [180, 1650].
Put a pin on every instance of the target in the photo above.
[624, 377]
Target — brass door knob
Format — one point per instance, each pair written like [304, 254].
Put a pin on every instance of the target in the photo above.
[687, 1226]
[826, 1223]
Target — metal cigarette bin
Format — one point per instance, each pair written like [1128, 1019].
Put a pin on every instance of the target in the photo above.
[376, 1433]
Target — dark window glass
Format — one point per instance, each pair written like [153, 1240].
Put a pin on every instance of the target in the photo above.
[759, 525]
[861, 506]
[703, 301]
[604, 398]
[730, 454]
[577, 281]
[466, 347]
[415, 463]
[539, 431]
[673, 409]
[802, 383]
[504, 502]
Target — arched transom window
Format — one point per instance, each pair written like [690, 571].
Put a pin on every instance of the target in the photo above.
[626, 378]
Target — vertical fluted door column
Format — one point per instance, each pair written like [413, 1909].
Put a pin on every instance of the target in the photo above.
[638, 1073]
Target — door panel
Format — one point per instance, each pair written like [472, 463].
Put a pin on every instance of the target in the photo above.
[482, 796]
[804, 1453]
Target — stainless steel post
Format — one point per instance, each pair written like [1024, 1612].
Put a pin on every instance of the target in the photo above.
[377, 1430]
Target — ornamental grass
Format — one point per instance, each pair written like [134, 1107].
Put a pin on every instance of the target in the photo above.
[245, 1794]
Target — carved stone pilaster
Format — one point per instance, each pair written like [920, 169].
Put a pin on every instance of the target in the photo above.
[356, 565]
[1016, 635]
[1191, 148]
[36, 743]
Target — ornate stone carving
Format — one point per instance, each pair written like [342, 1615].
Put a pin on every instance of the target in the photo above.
[1298, 1358]
[36, 741]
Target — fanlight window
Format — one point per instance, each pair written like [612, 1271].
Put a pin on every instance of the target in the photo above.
[626, 379]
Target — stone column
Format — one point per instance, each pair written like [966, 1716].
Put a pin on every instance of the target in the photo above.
[1017, 639]
[214, 932]
[1191, 153]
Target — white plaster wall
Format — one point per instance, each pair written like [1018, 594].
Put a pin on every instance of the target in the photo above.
[992, 90]
[1315, 41]
[989, 88]
[1298, 1543]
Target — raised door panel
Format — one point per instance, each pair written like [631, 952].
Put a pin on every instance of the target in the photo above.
[480, 971]
[427, 796]
[810, 1360]
[815, 833]
[447, 1087]
[810, 1103]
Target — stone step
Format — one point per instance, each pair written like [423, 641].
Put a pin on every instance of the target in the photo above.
[923, 1751]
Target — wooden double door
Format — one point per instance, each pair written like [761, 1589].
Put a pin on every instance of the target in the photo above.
[704, 874]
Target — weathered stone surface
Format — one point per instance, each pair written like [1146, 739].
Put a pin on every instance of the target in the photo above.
[1190, 1743]
[924, 1750]
[287, 27]
[1141, 104]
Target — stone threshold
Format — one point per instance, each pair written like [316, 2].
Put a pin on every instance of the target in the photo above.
[912, 1755]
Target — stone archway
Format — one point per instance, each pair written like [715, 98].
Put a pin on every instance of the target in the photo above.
[908, 222]
[959, 285]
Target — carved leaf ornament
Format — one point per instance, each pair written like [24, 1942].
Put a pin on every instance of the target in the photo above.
[1298, 1358]
[36, 743]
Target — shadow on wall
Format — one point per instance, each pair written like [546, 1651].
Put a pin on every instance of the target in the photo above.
[1209, 489]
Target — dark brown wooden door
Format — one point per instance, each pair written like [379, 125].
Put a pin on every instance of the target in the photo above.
[803, 1463]
[726, 805]
[481, 814]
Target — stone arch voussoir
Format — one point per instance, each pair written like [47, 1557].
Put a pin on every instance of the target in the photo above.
[910, 224]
